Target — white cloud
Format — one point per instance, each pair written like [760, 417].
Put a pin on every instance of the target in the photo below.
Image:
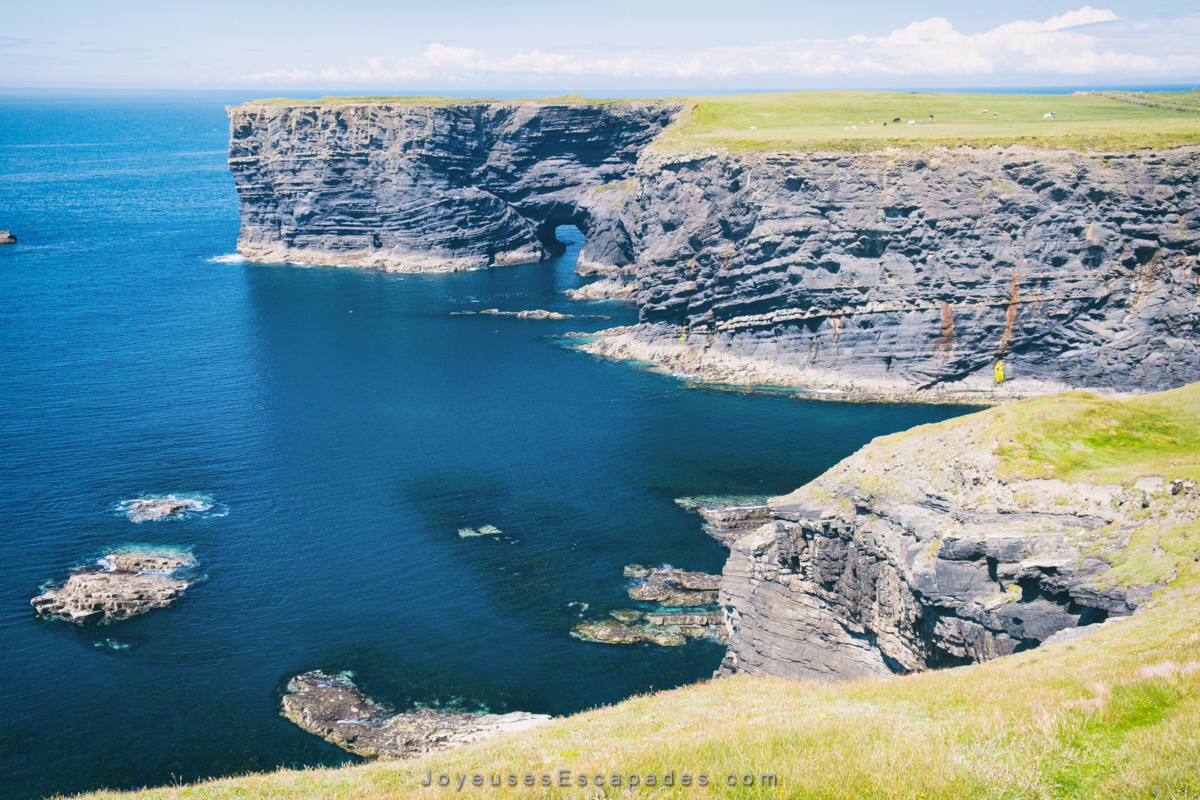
[1078, 43]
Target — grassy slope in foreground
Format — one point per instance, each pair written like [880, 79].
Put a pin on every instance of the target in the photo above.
[1114, 714]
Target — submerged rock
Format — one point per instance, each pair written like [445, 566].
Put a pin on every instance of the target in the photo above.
[156, 507]
[118, 586]
[332, 707]
[668, 629]
[615, 287]
[536, 313]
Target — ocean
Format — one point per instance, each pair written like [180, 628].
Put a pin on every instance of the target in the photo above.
[344, 425]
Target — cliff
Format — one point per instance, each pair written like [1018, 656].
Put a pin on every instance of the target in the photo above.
[434, 187]
[908, 272]
[914, 272]
[977, 537]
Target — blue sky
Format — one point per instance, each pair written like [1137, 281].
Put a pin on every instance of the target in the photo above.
[464, 45]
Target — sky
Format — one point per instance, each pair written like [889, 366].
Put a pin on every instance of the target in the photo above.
[565, 46]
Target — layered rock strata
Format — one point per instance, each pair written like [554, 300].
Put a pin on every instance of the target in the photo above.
[728, 523]
[915, 272]
[673, 588]
[438, 187]
[907, 273]
[669, 590]
[332, 707]
[118, 586]
[918, 552]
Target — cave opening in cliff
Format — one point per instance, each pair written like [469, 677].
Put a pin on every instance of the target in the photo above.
[568, 236]
[559, 230]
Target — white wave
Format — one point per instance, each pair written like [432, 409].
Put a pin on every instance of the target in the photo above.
[232, 258]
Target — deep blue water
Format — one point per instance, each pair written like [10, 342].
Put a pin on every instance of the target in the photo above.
[350, 426]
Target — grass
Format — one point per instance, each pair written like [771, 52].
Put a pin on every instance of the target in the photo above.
[1181, 101]
[1079, 436]
[819, 120]
[1112, 715]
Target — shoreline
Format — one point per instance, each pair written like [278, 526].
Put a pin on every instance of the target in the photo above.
[695, 363]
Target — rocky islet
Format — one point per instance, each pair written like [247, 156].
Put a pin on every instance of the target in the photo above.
[118, 586]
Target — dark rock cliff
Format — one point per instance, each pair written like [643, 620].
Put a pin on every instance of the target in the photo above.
[904, 272]
[918, 271]
[445, 187]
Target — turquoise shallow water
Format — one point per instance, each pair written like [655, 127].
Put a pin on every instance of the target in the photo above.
[346, 426]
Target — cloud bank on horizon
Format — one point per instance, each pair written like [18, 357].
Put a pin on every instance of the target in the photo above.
[1083, 43]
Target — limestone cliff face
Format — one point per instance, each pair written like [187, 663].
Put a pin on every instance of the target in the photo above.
[917, 271]
[444, 187]
[894, 272]
[913, 553]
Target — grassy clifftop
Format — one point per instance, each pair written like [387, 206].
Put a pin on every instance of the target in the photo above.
[822, 120]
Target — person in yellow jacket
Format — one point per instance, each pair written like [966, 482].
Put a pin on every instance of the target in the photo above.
[998, 372]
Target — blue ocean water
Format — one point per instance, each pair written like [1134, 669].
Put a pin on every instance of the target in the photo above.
[346, 426]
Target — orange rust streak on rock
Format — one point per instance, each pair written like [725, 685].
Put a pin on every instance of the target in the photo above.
[947, 338]
[1010, 318]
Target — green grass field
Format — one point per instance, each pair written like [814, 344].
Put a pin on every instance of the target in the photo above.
[822, 120]
[1112, 715]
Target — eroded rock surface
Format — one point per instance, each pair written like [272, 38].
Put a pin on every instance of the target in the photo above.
[332, 707]
[916, 552]
[673, 587]
[728, 523]
[118, 586]
[415, 188]
[911, 273]
[535, 313]
[666, 628]
[614, 287]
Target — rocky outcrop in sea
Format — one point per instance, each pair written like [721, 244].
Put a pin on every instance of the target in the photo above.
[154, 507]
[332, 707]
[8, 237]
[119, 585]
[683, 607]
